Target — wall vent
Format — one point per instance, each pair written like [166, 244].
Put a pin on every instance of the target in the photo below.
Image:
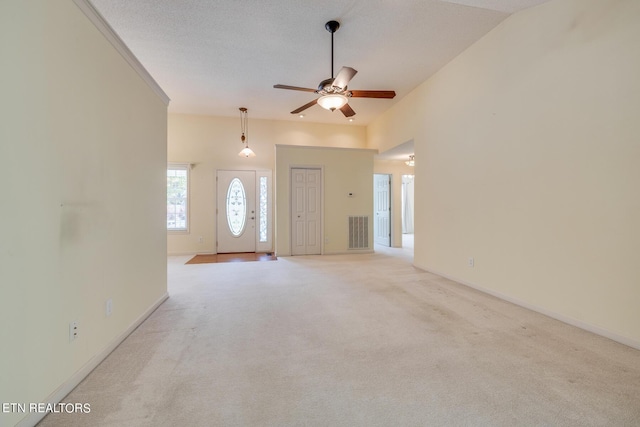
[358, 232]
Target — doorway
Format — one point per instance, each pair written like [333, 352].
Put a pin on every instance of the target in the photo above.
[243, 211]
[382, 209]
[407, 210]
[306, 220]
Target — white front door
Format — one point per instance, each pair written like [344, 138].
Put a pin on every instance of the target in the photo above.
[305, 211]
[382, 209]
[236, 211]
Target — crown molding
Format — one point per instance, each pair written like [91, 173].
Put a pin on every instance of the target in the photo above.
[103, 26]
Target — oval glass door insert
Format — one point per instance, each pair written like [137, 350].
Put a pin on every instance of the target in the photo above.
[236, 207]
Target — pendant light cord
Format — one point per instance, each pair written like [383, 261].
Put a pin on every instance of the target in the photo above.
[244, 126]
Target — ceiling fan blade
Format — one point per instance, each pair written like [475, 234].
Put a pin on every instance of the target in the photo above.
[294, 88]
[347, 110]
[387, 94]
[305, 106]
[344, 76]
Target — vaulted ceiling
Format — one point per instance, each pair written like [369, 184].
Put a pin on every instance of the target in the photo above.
[213, 56]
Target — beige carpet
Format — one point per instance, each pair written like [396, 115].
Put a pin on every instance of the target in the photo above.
[354, 340]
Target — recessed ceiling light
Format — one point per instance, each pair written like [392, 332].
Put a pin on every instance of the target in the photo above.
[301, 116]
[351, 119]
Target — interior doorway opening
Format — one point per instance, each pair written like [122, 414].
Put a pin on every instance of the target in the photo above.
[407, 209]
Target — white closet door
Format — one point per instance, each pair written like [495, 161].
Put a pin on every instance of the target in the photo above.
[305, 211]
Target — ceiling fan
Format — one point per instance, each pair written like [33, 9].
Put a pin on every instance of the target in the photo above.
[333, 92]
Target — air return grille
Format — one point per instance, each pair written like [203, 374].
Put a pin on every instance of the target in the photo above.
[358, 232]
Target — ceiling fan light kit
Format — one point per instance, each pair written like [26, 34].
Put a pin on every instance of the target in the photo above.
[332, 102]
[333, 91]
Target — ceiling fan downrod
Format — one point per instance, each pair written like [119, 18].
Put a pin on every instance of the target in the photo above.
[332, 27]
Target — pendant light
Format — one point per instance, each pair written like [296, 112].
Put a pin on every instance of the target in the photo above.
[411, 161]
[244, 128]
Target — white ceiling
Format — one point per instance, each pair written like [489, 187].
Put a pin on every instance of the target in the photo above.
[214, 56]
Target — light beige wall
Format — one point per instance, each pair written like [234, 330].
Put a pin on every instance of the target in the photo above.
[83, 150]
[213, 143]
[528, 147]
[344, 171]
[395, 168]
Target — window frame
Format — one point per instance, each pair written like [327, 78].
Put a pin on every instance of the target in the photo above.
[186, 167]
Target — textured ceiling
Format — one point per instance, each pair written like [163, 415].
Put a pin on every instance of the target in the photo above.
[214, 56]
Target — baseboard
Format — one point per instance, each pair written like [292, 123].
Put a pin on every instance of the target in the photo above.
[34, 418]
[351, 252]
[558, 316]
[189, 253]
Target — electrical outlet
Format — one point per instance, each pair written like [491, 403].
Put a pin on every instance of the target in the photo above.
[73, 331]
[200, 239]
[471, 262]
[326, 239]
[109, 307]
